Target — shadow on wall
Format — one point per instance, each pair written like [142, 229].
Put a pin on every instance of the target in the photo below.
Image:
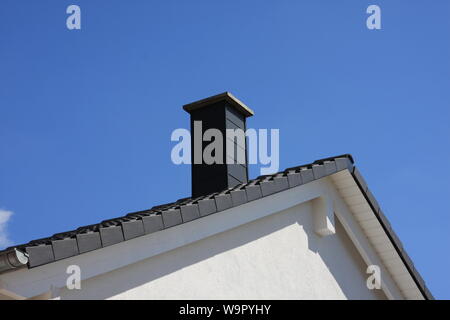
[339, 262]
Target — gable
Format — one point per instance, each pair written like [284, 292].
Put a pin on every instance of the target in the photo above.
[138, 236]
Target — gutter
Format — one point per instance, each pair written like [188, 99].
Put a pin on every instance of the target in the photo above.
[12, 259]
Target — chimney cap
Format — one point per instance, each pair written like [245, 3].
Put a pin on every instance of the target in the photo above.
[227, 96]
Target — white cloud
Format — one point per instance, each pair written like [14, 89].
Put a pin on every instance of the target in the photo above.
[4, 218]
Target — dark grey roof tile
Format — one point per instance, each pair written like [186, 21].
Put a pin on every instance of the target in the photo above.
[39, 255]
[383, 219]
[344, 163]
[330, 167]
[64, 248]
[372, 200]
[223, 201]
[359, 179]
[133, 229]
[427, 292]
[253, 192]
[281, 183]
[88, 241]
[238, 197]
[307, 175]
[294, 179]
[152, 223]
[267, 187]
[189, 212]
[318, 171]
[207, 206]
[171, 217]
[111, 235]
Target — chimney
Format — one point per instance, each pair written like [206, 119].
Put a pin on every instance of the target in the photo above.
[221, 112]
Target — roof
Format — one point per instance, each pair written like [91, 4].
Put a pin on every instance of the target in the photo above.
[226, 96]
[108, 232]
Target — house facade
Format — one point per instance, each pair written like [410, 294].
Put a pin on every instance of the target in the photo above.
[310, 232]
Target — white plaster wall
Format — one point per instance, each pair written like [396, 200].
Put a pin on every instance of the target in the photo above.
[275, 257]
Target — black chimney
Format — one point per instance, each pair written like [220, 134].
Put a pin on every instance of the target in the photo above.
[221, 112]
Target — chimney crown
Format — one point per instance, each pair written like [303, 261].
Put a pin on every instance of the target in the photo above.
[225, 96]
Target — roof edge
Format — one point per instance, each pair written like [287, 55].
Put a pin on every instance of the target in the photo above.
[418, 280]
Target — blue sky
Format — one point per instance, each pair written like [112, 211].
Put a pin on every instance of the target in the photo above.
[86, 115]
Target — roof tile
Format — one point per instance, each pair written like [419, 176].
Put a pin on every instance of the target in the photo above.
[111, 235]
[189, 212]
